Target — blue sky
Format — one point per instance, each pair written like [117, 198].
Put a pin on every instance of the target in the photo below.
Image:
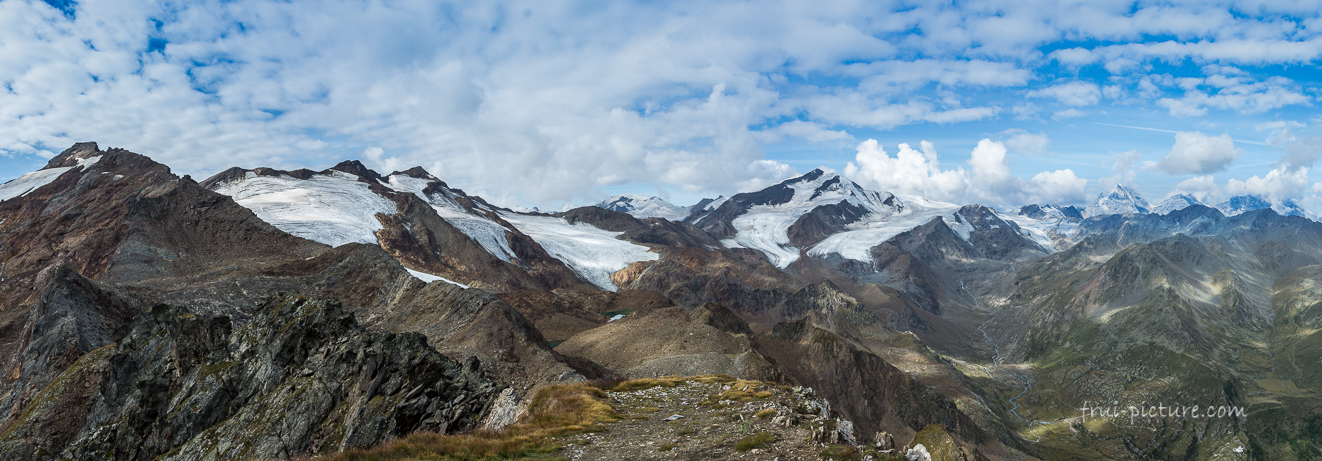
[551, 103]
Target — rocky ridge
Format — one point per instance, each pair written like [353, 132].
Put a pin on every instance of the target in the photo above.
[300, 376]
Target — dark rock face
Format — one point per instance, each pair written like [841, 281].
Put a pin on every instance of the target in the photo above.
[357, 168]
[822, 222]
[74, 316]
[417, 236]
[71, 155]
[872, 393]
[739, 279]
[1067, 213]
[301, 377]
[650, 231]
[996, 238]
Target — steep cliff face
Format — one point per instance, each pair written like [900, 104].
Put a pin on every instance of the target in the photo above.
[73, 316]
[872, 393]
[301, 377]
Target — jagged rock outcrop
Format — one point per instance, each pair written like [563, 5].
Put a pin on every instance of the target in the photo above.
[301, 377]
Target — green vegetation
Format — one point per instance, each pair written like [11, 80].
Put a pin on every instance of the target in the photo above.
[754, 441]
[841, 452]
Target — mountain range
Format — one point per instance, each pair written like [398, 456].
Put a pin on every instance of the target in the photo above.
[264, 313]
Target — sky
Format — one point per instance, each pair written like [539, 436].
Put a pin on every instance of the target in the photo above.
[551, 103]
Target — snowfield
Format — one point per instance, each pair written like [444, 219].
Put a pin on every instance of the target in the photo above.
[592, 253]
[29, 182]
[484, 231]
[642, 207]
[1040, 230]
[766, 227]
[333, 209]
[423, 276]
[857, 242]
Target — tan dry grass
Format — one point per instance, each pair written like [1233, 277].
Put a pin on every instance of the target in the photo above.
[554, 411]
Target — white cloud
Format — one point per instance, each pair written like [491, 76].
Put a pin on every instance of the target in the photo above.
[1076, 93]
[909, 171]
[1233, 94]
[1073, 57]
[988, 180]
[375, 158]
[1068, 114]
[1026, 143]
[892, 75]
[1059, 186]
[1025, 111]
[1277, 185]
[854, 108]
[1124, 169]
[1202, 187]
[809, 131]
[1195, 152]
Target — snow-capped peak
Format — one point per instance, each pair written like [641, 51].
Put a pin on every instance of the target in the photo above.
[824, 186]
[642, 206]
[1241, 204]
[771, 212]
[1175, 203]
[1050, 212]
[1121, 200]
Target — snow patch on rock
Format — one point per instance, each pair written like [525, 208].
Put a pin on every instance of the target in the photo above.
[333, 209]
[592, 253]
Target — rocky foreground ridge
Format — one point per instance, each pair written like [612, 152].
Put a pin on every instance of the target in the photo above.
[300, 376]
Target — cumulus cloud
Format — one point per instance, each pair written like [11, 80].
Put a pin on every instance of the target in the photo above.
[1278, 185]
[1202, 187]
[987, 181]
[1197, 153]
[1299, 152]
[1023, 142]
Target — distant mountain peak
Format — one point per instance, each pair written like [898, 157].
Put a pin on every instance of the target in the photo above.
[1175, 203]
[357, 168]
[1241, 204]
[72, 156]
[642, 206]
[1052, 212]
[1120, 200]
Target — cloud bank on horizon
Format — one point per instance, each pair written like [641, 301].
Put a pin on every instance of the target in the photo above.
[553, 102]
